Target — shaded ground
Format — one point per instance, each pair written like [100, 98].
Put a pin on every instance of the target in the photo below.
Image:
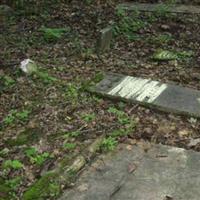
[44, 120]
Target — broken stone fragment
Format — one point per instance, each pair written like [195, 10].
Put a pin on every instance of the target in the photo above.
[28, 66]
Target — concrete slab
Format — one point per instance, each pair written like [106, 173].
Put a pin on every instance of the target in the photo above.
[162, 173]
[149, 7]
[165, 97]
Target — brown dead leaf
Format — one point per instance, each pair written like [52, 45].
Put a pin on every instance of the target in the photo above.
[131, 168]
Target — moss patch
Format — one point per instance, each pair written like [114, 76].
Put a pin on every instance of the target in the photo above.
[45, 187]
[4, 191]
[25, 137]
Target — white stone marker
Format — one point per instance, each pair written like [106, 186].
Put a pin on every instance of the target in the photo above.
[166, 97]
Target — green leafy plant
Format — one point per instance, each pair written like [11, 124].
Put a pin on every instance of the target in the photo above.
[12, 164]
[74, 134]
[14, 183]
[127, 26]
[164, 55]
[120, 132]
[35, 157]
[45, 77]
[162, 9]
[10, 118]
[4, 152]
[109, 144]
[72, 92]
[7, 81]
[53, 34]
[69, 146]
[54, 189]
[23, 115]
[89, 117]
[123, 118]
[161, 39]
[127, 122]
[15, 115]
[88, 1]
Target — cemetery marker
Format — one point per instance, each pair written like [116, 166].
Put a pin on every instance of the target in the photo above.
[165, 97]
[149, 7]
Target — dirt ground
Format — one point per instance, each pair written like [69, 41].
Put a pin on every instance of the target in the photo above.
[43, 119]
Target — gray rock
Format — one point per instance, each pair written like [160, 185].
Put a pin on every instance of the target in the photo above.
[161, 173]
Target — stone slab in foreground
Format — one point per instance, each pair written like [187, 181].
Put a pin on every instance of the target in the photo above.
[148, 7]
[165, 97]
[161, 173]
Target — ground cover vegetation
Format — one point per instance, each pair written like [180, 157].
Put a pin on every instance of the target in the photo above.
[50, 117]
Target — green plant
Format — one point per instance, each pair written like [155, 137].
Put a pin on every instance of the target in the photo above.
[7, 81]
[123, 118]
[162, 10]
[109, 144]
[54, 189]
[13, 183]
[164, 55]
[15, 115]
[23, 115]
[53, 34]
[88, 1]
[4, 152]
[74, 133]
[10, 118]
[120, 12]
[120, 132]
[45, 77]
[161, 39]
[69, 146]
[72, 92]
[35, 157]
[127, 26]
[12, 164]
[87, 52]
[89, 117]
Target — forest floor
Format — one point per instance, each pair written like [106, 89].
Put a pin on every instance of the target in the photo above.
[45, 119]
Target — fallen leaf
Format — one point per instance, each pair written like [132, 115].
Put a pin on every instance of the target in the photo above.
[131, 168]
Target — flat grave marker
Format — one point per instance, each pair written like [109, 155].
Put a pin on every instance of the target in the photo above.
[149, 7]
[165, 97]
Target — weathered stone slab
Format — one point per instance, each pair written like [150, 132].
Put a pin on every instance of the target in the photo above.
[173, 8]
[166, 97]
[160, 174]
[104, 40]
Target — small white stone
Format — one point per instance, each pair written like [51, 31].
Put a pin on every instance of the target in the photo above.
[28, 66]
